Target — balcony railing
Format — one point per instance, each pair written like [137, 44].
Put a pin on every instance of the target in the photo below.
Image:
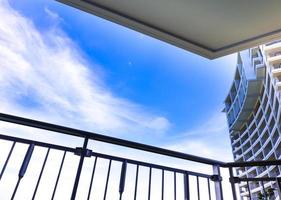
[121, 175]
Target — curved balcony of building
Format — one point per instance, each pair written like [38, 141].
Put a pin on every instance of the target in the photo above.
[257, 187]
[276, 72]
[237, 150]
[246, 171]
[278, 150]
[272, 47]
[274, 59]
[242, 99]
[265, 139]
[255, 145]
[246, 148]
[254, 138]
[264, 152]
[238, 154]
[237, 135]
[236, 142]
[258, 141]
[239, 157]
[235, 139]
[242, 172]
[269, 152]
[263, 172]
[259, 67]
[245, 138]
[274, 172]
[275, 138]
[273, 54]
[247, 106]
[257, 155]
[244, 184]
[269, 148]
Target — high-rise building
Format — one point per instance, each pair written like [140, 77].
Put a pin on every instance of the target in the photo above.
[253, 112]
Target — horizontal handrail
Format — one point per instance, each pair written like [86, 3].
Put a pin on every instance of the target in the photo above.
[127, 143]
[107, 139]
[253, 163]
[258, 179]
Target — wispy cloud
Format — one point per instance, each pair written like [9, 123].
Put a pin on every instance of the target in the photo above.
[52, 14]
[44, 75]
[208, 140]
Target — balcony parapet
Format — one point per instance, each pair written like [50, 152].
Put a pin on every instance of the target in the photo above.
[274, 59]
[272, 47]
[250, 77]
[248, 104]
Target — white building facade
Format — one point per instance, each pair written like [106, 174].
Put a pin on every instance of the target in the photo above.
[253, 112]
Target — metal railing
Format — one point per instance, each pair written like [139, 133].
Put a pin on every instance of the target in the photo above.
[123, 172]
[260, 190]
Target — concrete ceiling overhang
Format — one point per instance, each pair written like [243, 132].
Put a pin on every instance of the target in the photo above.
[210, 28]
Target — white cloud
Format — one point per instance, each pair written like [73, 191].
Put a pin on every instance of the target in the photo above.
[209, 140]
[43, 75]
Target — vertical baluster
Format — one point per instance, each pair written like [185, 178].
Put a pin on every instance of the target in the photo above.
[24, 166]
[79, 169]
[7, 159]
[209, 189]
[186, 187]
[232, 183]
[16, 188]
[218, 185]
[41, 172]
[92, 177]
[136, 182]
[122, 179]
[175, 186]
[198, 188]
[107, 179]
[58, 176]
[149, 183]
[163, 184]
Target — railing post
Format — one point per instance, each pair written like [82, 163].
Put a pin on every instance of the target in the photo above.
[23, 167]
[186, 187]
[217, 180]
[122, 179]
[232, 182]
[79, 169]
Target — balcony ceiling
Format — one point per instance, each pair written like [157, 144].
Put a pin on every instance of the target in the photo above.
[210, 28]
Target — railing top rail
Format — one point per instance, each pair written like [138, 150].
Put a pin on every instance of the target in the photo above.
[106, 139]
[253, 163]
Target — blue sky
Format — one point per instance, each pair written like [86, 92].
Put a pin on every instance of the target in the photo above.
[89, 73]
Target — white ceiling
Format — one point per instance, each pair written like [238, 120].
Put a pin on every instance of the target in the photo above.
[211, 28]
